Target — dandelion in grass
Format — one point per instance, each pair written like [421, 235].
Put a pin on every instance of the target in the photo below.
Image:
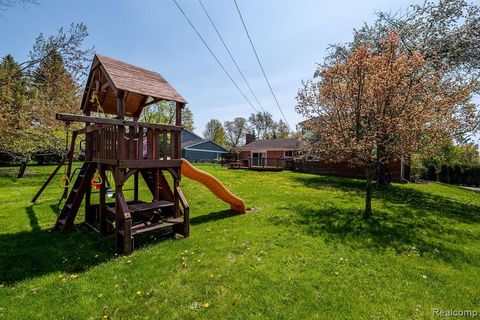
[206, 304]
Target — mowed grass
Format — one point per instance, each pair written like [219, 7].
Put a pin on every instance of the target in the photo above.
[303, 252]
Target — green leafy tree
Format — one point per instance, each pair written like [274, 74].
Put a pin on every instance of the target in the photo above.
[33, 91]
[14, 109]
[214, 131]
[164, 112]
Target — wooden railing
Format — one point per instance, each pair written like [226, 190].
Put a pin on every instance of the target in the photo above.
[129, 143]
[135, 144]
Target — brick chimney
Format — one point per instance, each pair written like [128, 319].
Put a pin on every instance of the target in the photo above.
[249, 138]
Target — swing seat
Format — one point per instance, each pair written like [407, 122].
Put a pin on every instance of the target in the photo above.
[110, 193]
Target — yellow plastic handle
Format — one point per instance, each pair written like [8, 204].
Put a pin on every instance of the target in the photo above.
[97, 178]
[64, 182]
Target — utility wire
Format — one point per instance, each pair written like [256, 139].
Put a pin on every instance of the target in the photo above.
[214, 56]
[259, 63]
[230, 54]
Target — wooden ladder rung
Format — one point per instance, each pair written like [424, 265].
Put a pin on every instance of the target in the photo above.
[148, 226]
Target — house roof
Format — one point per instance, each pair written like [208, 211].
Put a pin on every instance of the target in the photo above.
[190, 143]
[206, 145]
[108, 76]
[196, 142]
[193, 134]
[271, 144]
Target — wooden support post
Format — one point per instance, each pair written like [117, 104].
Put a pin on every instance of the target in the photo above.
[89, 215]
[156, 194]
[121, 128]
[123, 220]
[102, 210]
[135, 187]
[176, 206]
[186, 212]
[177, 135]
[121, 104]
[178, 113]
[45, 184]
[70, 155]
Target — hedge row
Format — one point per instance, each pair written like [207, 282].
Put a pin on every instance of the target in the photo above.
[458, 174]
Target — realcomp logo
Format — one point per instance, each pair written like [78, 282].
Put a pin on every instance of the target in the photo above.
[455, 313]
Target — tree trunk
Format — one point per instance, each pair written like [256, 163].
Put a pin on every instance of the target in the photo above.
[383, 177]
[21, 170]
[368, 198]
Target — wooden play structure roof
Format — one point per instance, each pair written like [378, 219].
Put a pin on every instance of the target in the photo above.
[141, 87]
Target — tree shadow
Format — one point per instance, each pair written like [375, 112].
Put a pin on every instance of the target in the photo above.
[399, 195]
[38, 252]
[30, 254]
[409, 222]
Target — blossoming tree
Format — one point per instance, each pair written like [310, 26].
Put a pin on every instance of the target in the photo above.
[379, 105]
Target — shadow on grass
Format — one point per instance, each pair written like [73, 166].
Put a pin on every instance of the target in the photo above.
[34, 253]
[38, 252]
[31, 254]
[395, 195]
[212, 216]
[32, 218]
[410, 222]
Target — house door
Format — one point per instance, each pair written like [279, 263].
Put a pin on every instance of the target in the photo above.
[258, 158]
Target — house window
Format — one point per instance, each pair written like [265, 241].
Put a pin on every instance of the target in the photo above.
[288, 154]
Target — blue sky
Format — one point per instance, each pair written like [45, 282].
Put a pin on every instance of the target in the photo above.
[290, 37]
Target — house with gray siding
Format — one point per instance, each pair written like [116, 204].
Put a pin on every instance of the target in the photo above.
[197, 149]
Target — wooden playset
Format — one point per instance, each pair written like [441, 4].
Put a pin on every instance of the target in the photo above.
[124, 148]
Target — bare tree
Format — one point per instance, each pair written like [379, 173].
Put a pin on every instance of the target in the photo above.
[8, 4]
[235, 131]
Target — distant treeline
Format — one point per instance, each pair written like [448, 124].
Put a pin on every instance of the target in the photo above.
[467, 175]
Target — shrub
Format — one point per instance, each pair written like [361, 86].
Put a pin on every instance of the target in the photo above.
[443, 174]
[432, 172]
[468, 175]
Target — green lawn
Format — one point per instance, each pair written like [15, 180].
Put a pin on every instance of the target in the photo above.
[304, 252]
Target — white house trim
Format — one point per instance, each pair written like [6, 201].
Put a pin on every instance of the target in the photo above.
[205, 141]
[203, 150]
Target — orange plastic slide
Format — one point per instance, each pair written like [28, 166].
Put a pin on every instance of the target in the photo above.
[214, 185]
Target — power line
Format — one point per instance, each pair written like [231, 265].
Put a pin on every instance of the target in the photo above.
[259, 63]
[214, 56]
[230, 54]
